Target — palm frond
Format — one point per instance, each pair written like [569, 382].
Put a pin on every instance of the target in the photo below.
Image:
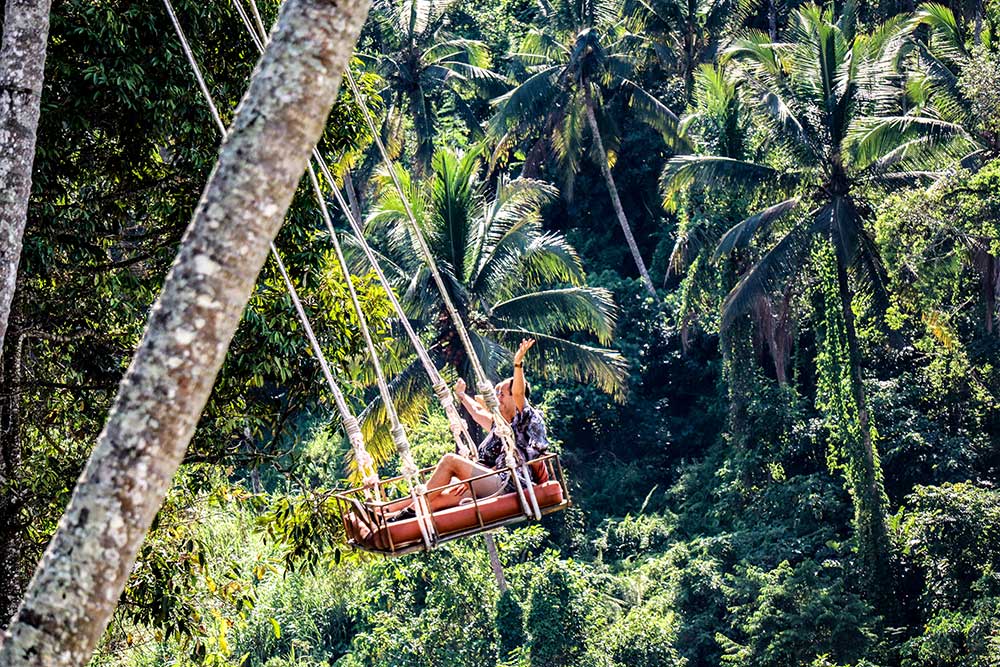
[527, 103]
[410, 396]
[890, 138]
[758, 48]
[871, 273]
[657, 115]
[584, 363]
[775, 267]
[510, 225]
[946, 35]
[740, 234]
[550, 258]
[539, 47]
[455, 198]
[555, 311]
[713, 171]
[469, 51]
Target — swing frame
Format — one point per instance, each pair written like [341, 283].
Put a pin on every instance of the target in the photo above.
[373, 505]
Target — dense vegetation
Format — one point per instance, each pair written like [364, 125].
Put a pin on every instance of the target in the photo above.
[759, 246]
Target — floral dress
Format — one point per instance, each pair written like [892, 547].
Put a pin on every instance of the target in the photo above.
[530, 441]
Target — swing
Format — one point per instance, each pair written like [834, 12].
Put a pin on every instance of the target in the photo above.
[366, 509]
[367, 525]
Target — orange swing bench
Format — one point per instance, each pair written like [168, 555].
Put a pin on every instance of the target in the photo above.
[367, 527]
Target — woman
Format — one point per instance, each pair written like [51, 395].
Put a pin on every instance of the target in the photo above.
[529, 439]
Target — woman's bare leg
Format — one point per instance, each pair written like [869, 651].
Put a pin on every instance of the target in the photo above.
[451, 466]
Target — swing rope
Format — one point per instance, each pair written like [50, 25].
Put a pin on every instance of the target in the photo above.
[407, 466]
[459, 429]
[351, 424]
[501, 428]
[456, 424]
[352, 427]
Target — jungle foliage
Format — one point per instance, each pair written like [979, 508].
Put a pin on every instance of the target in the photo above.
[788, 457]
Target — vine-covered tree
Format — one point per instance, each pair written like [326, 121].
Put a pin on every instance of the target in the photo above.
[822, 92]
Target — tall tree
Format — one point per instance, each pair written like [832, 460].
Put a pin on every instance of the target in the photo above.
[77, 584]
[948, 83]
[22, 70]
[821, 93]
[687, 33]
[956, 84]
[424, 65]
[581, 58]
[108, 208]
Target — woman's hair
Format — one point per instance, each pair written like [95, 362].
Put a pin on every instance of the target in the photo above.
[527, 387]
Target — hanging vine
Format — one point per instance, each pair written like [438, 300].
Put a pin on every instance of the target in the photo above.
[836, 400]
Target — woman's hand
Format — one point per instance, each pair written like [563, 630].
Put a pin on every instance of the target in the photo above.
[526, 344]
[457, 491]
[460, 387]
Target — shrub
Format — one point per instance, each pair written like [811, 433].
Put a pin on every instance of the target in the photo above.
[793, 614]
[556, 618]
[510, 625]
[643, 638]
[950, 534]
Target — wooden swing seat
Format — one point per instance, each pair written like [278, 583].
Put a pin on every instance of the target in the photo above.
[367, 527]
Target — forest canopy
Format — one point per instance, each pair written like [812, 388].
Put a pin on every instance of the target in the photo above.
[757, 244]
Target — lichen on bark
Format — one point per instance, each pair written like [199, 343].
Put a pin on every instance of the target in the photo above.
[77, 584]
[22, 68]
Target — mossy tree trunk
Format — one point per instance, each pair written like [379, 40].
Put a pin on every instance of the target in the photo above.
[76, 586]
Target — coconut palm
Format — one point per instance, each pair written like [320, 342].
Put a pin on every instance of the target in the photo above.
[509, 279]
[686, 33]
[576, 63]
[943, 82]
[955, 83]
[820, 93]
[423, 65]
[719, 123]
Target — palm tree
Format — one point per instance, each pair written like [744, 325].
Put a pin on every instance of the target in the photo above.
[508, 278]
[719, 123]
[576, 63]
[686, 33]
[423, 64]
[940, 86]
[821, 93]
[956, 85]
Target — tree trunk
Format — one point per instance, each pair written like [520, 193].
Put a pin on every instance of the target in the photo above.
[352, 196]
[990, 282]
[613, 191]
[869, 510]
[772, 20]
[76, 586]
[491, 549]
[22, 69]
[12, 493]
